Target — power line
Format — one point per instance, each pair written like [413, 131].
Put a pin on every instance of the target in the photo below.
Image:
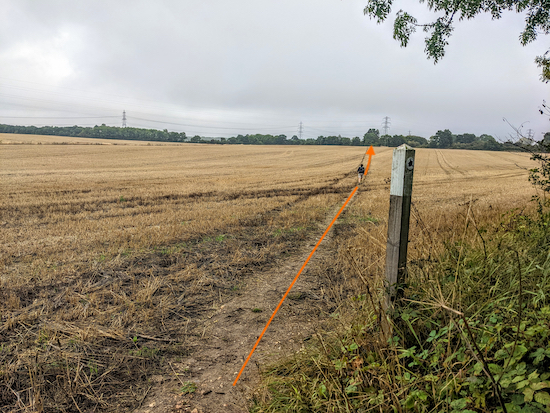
[207, 127]
[57, 117]
[216, 127]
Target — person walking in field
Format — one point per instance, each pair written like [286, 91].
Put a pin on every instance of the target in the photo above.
[360, 173]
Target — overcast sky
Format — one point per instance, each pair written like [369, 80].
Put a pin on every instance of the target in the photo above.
[220, 68]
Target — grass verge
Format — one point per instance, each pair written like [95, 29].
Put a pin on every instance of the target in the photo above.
[471, 334]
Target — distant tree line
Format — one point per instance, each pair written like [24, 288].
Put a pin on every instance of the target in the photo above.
[442, 139]
[100, 132]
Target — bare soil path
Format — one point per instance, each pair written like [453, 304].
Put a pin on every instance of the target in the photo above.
[231, 330]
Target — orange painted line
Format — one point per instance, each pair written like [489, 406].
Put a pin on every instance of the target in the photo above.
[294, 280]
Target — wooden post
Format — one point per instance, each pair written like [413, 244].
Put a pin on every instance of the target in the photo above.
[398, 222]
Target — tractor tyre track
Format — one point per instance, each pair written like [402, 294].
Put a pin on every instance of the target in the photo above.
[438, 158]
[454, 168]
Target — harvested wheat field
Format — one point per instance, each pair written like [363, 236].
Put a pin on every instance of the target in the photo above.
[137, 277]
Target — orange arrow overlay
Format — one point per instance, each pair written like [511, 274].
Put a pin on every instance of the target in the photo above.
[370, 152]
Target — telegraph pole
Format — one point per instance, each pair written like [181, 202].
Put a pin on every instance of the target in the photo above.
[123, 118]
[300, 130]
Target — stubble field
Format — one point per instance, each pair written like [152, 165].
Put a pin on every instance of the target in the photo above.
[115, 257]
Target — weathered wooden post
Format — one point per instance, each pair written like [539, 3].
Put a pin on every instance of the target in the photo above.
[398, 222]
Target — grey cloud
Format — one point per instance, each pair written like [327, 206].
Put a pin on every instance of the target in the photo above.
[284, 61]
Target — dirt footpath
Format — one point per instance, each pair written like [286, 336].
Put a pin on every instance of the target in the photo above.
[230, 332]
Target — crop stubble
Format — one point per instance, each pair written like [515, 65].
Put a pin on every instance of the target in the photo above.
[113, 254]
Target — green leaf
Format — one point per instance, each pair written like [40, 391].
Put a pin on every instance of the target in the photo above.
[518, 378]
[520, 351]
[538, 355]
[408, 352]
[521, 368]
[533, 376]
[459, 404]
[378, 9]
[188, 387]
[339, 364]
[522, 384]
[528, 395]
[322, 390]
[505, 382]
[543, 397]
[431, 378]
[539, 385]
[403, 26]
[478, 368]
[517, 399]
[495, 368]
